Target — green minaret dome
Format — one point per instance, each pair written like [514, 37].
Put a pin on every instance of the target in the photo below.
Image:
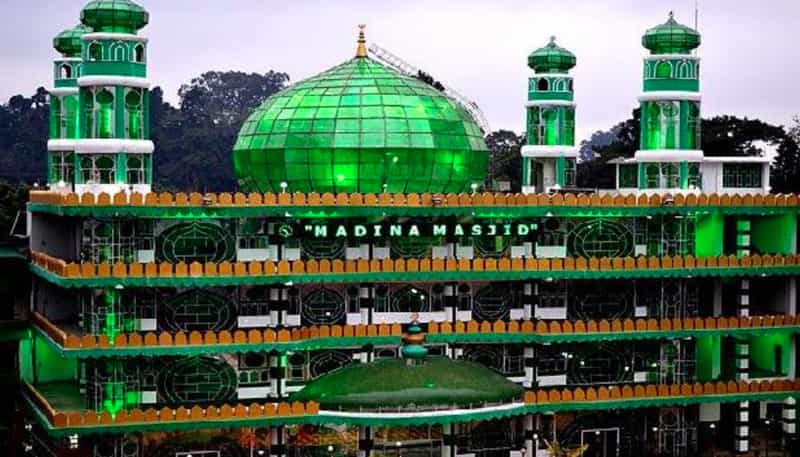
[121, 16]
[360, 127]
[671, 37]
[551, 59]
[68, 42]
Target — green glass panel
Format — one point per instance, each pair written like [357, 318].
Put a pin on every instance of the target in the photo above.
[371, 130]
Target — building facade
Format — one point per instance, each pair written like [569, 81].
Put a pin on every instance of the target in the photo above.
[363, 295]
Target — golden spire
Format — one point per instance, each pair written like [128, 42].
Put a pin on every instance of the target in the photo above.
[361, 50]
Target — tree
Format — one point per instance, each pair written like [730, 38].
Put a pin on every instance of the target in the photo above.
[786, 167]
[194, 143]
[505, 157]
[225, 99]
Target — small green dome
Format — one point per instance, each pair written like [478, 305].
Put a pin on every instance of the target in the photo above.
[671, 37]
[393, 383]
[121, 16]
[551, 59]
[360, 127]
[68, 42]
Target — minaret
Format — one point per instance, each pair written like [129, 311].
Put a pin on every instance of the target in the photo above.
[549, 158]
[64, 111]
[112, 150]
[670, 155]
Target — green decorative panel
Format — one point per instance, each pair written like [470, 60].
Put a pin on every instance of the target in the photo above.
[709, 235]
[360, 127]
[323, 307]
[600, 238]
[200, 379]
[775, 234]
[195, 242]
[492, 303]
[197, 309]
[114, 68]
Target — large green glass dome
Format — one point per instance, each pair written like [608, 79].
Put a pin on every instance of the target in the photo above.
[671, 37]
[360, 127]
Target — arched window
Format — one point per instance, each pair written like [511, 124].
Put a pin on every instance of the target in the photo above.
[559, 85]
[120, 52]
[66, 71]
[684, 70]
[571, 86]
[138, 53]
[104, 169]
[95, 52]
[543, 84]
[136, 170]
[664, 69]
[104, 114]
[133, 114]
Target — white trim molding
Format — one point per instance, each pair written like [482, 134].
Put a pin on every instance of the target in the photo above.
[102, 146]
[68, 59]
[531, 103]
[128, 81]
[669, 155]
[58, 91]
[552, 75]
[113, 36]
[671, 57]
[545, 151]
[736, 159]
[670, 95]
[413, 414]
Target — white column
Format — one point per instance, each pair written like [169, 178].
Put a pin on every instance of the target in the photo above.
[529, 361]
[364, 441]
[448, 441]
[278, 443]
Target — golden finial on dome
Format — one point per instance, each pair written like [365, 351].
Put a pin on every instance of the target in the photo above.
[361, 50]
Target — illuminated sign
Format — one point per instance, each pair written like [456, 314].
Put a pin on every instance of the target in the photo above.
[413, 230]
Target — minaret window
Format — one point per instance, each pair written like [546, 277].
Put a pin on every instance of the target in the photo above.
[569, 173]
[693, 124]
[136, 170]
[571, 86]
[685, 70]
[543, 85]
[66, 71]
[62, 167]
[549, 126]
[104, 114]
[95, 52]
[119, 51]
[133, 114]
[138, 53]
[664, 70]
[98, 169]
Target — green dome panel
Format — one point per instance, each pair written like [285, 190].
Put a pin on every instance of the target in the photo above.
[552, 59]
[121, 16]
[391, 383]
[671, 37]
[360, 127]
[68, 42]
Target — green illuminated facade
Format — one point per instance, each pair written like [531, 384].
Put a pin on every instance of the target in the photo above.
[362, 296]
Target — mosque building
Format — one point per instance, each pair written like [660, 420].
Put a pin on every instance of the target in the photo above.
[364, 292]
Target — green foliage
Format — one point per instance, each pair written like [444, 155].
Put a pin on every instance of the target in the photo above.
[786, 167]
[23, 137]
[505, 159]
[194, 143]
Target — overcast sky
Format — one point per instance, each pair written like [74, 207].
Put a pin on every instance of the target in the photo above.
[750, 51]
